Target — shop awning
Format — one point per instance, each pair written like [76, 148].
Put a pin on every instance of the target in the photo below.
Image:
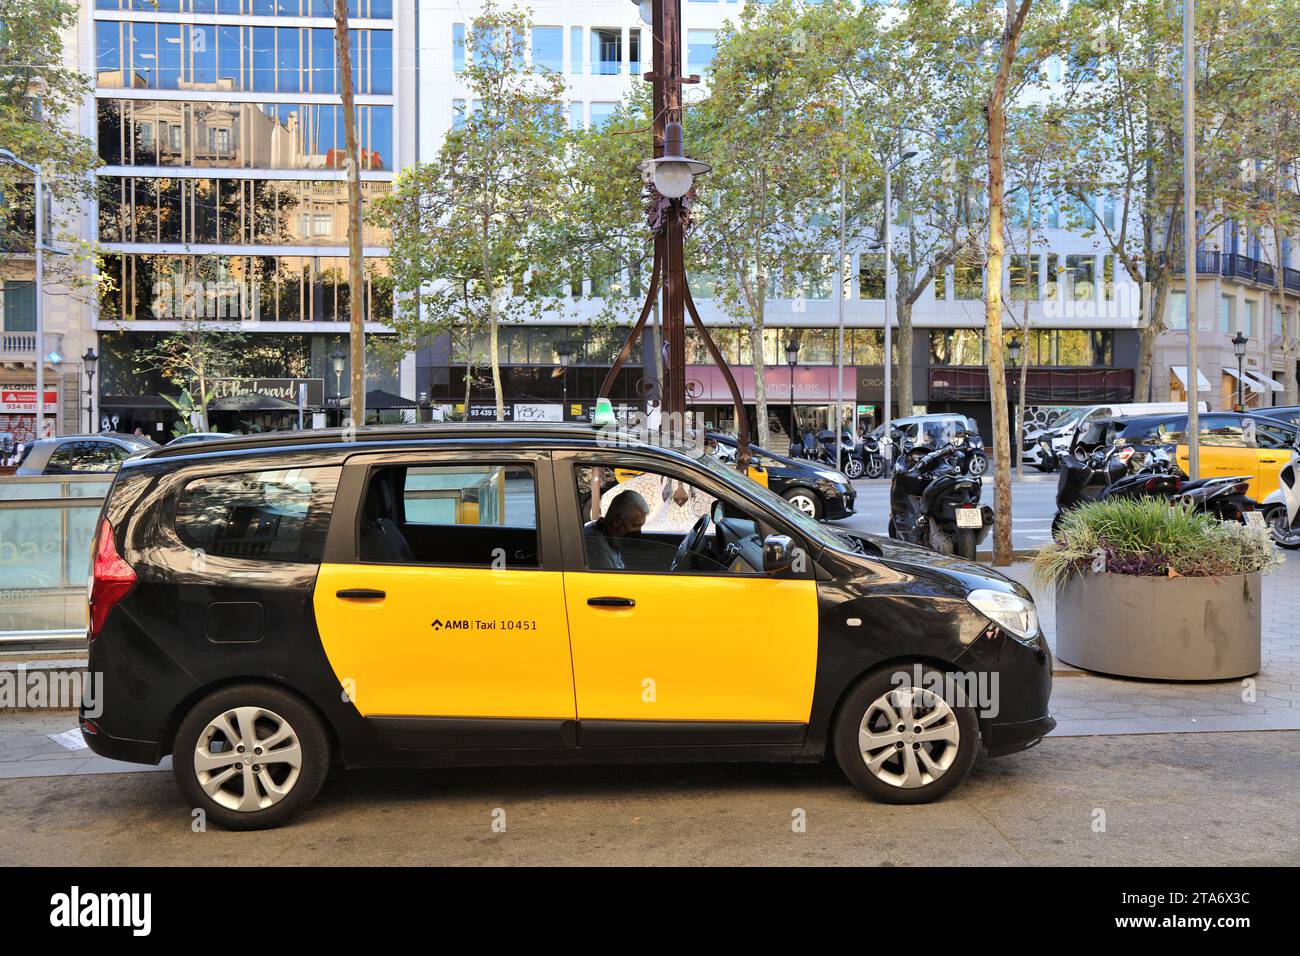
[1255, 383]
[379, 400]
[1180, 373]
[1265, 384]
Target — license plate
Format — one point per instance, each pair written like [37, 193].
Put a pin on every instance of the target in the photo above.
[969, 518]
[1255, 519]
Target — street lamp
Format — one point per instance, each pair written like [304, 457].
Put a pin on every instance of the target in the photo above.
[88, 363]
[1239, 349]
[1013, 351]
[792, 359]
[8, 156]
[672, 173]
[564, 353]
[889, 297]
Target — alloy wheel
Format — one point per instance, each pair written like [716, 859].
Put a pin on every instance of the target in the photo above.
[247, 759]
[909, 737]
[804, 503]
[875, 467]
[853, 468]
[978, 465]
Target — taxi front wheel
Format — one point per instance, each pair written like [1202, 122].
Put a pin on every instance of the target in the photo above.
[250, 756]
[900, 743]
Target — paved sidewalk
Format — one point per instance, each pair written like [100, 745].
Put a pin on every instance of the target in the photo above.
[1084, 704]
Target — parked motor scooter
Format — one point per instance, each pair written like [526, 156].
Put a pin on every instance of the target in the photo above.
[934, 503]
[1103, 472]
[1281, 509]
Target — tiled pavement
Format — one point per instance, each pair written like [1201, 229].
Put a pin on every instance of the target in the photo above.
[1084, 704]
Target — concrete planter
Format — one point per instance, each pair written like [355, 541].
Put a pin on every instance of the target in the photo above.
[1160, 628]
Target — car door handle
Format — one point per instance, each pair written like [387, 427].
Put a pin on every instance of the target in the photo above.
[1268, 461]
[610, 602]
[360, 594]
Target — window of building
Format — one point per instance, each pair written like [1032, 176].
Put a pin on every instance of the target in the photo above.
[1024, 277]
[1178, 310]
[575, 50]
[1248, 317]
[871, 276]
[606, 51]
[957, 347]
[575, 114]
[548, 49]
[701, 45]
[1227, 310]
[457, 47]
[634, 51]
[19, 297]
[1082, 277]
[968, 281]
[602, 113]
[941, 283]
[275, 515]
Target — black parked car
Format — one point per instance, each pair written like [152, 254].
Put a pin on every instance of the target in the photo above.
[817, 490]
[263, 607]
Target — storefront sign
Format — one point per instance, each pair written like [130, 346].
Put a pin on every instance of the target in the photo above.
[812, 383]
[285, 389]
[21, 399]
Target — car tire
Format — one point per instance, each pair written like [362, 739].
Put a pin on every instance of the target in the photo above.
[287, 779]
[866, 742]
[806, 500]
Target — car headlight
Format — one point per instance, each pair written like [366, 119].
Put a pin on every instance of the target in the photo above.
[1011, 612]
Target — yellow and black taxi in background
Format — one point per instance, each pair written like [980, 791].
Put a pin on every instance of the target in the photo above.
[264, 607]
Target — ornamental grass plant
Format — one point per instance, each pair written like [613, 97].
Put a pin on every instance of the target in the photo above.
[1147, 536]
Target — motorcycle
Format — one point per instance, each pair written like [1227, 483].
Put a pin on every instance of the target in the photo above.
[1104, 472]
[1112, 472]
[873, 457]
[1281, 509]
[933, 502]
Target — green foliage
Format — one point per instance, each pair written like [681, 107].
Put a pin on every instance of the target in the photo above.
[1151, 537]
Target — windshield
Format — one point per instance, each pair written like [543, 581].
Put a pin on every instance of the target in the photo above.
[1069, 418]
[814, 529]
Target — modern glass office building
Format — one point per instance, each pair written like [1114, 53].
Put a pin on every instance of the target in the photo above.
[222, 201]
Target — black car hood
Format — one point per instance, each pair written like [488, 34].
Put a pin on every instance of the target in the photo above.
[917, 560]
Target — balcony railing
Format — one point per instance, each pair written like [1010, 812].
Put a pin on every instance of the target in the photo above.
[1232, 265]
[13, 344]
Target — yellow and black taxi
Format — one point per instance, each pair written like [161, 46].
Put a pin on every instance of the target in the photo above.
[264, 607]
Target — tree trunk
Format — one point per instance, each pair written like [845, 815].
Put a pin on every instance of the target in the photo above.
[1147, 335]
[356, 275]
[993, 297]
[761, 431]
[903, 380]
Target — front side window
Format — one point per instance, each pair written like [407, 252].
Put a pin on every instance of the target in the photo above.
[646, 522]
[1221, 431]
[277, 514]
[85, 457]
[466, 515]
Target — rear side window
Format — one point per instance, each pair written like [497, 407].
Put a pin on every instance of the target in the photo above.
[278, 514]
[85, 456]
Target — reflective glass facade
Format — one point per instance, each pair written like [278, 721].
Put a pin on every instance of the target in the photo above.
[138, 54]
[247, 289]
[376, 9]
[231, 211]
[214, 135]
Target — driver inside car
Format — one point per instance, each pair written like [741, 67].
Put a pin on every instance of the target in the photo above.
[624, 518]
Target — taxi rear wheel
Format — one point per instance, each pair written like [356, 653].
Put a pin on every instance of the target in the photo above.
[250, 756]
[899, 743]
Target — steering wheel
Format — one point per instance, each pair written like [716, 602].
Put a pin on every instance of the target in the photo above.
[691, 544]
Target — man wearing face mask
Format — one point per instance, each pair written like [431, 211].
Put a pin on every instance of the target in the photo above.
[624, 518]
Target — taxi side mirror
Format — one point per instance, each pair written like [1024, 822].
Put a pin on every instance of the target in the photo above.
[778, 553]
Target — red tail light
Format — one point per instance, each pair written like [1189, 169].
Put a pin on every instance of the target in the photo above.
[111, 578]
